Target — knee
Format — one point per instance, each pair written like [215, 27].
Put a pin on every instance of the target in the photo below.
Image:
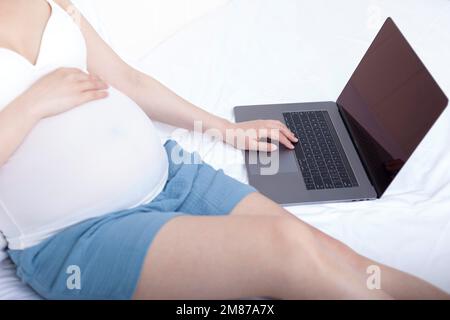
[296, 245]
[299, 243]
[304, 258]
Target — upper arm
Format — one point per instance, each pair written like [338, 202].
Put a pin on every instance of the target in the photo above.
[102, 60]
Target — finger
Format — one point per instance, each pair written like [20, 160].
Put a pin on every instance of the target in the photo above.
[83, 76]
[285, 141]
[277, 134]
[69, 71]
[255, 145]
[94, 77]
[286, 131]
[73, 70]
[267, 147]
[88, 96]
[77, 77]
[92, 85]
[289, 134]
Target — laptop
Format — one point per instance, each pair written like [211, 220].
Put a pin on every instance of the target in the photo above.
[351, 149]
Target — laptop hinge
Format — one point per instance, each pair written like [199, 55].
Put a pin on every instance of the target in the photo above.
[362, 156]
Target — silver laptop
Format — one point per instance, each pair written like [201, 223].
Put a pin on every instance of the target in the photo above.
[351, 149]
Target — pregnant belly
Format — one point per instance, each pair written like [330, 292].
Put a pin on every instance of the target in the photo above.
[101, 157]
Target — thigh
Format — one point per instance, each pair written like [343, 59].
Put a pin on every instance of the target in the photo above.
[257, 204]
[232, 257]
[214, 258]
[198, 257]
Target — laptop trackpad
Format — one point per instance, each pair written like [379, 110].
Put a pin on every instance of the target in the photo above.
[281, 188]
[283, 161]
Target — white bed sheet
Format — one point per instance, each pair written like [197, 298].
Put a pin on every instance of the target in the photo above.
[277, 51]
[270, 51]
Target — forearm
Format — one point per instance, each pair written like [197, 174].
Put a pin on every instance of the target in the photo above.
[161, 104]
[15, 124]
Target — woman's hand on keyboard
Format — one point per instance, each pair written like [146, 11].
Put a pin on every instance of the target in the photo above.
[255, 135]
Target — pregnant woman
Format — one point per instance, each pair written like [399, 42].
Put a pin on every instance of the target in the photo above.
[85, 183]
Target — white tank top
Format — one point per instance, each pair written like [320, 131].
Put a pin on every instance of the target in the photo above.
[99, 158]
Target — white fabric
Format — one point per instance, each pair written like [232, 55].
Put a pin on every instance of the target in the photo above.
[272, 51]
[151, 22]
[11, 288]
[269, 51]
[3, 244]
[98, 158]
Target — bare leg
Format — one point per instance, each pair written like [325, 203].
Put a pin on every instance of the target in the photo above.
[243, 256]
[396, 283]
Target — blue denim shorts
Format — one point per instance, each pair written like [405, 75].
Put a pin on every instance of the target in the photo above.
[101, 258]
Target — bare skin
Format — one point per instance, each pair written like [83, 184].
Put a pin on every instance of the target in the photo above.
[398, 284]
[258, 250]
[22, 23]
[261, 250]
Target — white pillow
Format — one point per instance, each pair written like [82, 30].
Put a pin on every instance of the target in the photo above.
[134, 27]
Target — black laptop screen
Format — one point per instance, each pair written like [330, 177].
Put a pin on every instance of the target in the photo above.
[389, 104]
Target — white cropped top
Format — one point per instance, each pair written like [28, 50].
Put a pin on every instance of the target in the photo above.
[98, 158]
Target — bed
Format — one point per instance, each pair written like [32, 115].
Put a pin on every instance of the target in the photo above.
[279, 51]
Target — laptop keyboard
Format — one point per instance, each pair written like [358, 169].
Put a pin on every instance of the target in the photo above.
[319, 153]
